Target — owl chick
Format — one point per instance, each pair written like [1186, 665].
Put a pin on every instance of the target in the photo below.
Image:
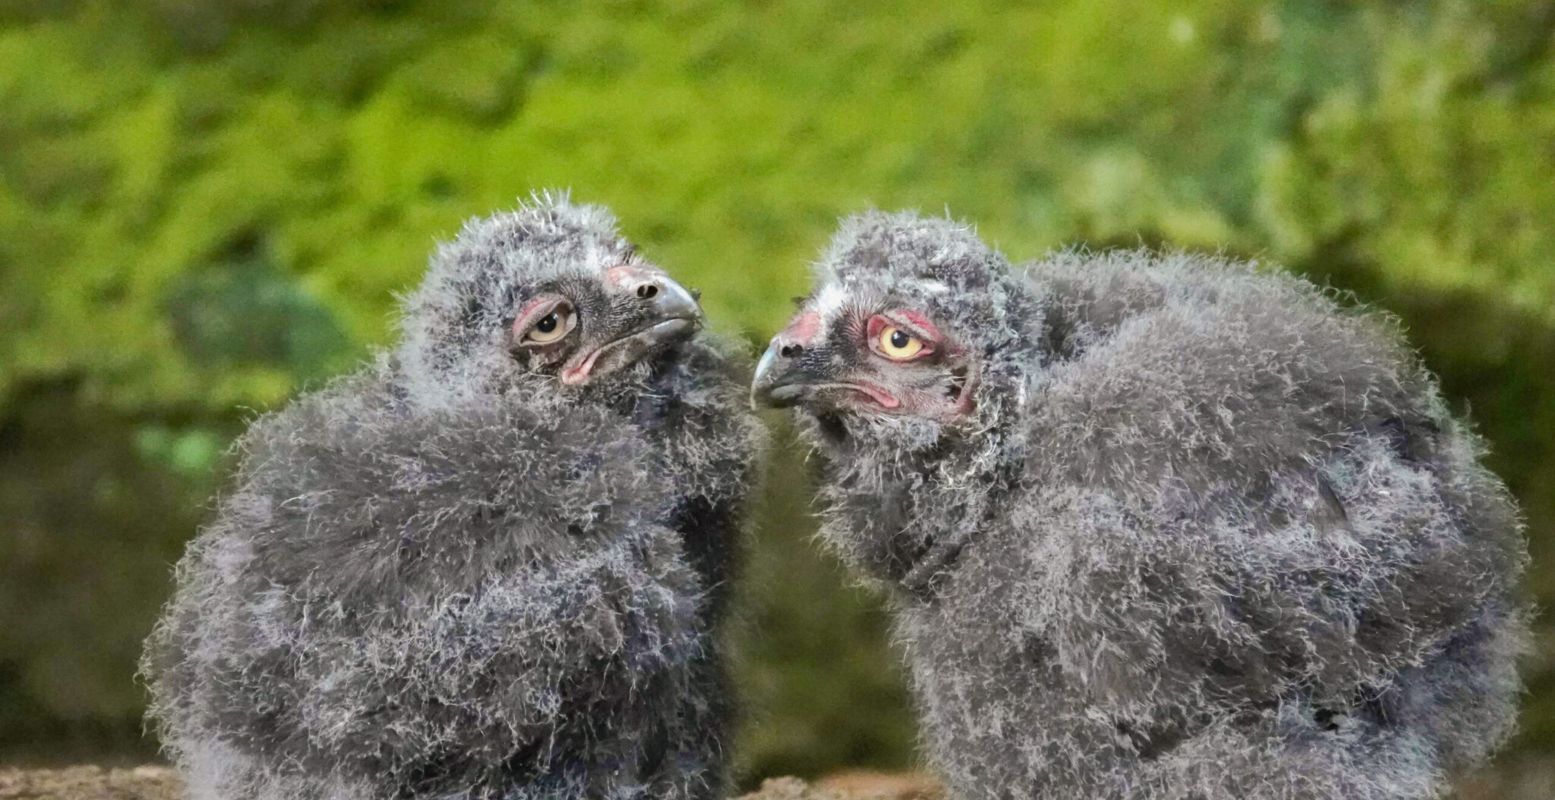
[1159, 526]
[489, 565]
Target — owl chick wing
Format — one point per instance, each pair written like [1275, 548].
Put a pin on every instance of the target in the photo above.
[1241, 492]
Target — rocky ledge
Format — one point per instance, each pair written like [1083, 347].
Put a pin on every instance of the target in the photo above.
[1524, 780]
[89, 783]
[159, 783]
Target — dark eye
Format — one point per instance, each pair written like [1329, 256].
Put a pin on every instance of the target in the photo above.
[899, 345]
[553, 326]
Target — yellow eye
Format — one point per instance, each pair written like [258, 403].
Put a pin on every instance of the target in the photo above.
[552, 327]
[897, 344]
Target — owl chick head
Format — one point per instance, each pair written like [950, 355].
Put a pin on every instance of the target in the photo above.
[548, 299]
[915, 327]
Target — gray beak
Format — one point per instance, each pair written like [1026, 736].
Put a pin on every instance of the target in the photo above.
[670, 300]
[674, 310]
[778, 382]
[669, 314]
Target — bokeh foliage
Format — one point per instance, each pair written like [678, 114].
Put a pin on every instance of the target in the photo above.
[206, 205]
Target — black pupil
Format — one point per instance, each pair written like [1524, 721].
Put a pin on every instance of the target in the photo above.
[899, 340]
[548, 324]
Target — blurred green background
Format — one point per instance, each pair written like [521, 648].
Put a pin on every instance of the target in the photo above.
[206, 205]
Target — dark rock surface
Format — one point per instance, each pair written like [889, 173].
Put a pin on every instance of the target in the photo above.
[1530, 781]
[160, 783]
[89, 783]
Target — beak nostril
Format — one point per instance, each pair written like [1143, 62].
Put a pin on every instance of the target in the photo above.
[790, 350]
[647, 291]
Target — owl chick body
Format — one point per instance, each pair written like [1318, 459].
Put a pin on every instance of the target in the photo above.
[466, 571]
[1161, 526]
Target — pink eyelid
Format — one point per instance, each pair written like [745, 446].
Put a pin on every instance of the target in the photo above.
[535, 310]
[920, 323]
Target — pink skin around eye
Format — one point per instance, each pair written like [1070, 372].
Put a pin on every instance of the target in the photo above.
[533, 311]
[921, 323]
[916, 325]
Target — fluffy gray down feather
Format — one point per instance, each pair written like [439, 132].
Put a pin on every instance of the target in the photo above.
[1207, 533]
[447, 577]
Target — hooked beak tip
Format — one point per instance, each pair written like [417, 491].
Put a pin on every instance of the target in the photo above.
[761, 380]
[676, 302]
[771, 387]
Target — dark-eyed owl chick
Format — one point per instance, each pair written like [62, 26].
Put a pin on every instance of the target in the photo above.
[489, 565]
[1162, 526]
